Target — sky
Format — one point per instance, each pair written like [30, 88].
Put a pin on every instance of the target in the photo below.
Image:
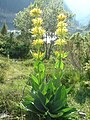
[80, 7]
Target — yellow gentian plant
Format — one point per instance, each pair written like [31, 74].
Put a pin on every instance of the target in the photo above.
[48, 99]
[38, 31]
[61, 32]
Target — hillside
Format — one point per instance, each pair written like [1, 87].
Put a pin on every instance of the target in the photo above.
[8, 9]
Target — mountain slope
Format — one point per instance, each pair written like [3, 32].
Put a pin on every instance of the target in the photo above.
[8, 9]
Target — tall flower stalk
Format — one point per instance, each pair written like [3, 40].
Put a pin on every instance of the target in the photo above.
[60, 43]
[38, 31]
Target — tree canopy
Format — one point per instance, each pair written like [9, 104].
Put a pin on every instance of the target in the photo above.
[50, 8]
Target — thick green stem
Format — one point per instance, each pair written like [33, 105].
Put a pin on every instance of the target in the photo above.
[38, 60]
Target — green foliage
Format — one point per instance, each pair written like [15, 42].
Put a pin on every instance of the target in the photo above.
[3, 67]
[2, 76]
[80, 49]
[23, 18]
[83, 92]
[15, 47]
[71, 76]
[4, 29]
[51, 105]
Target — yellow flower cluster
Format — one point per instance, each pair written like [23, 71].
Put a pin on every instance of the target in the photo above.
[40, 56]
[60, 42]
[61, 17]
[62, 54]
[35, 12]
[61, 30]
[38, 42]
[37, 21]
[38, 31]
[61, 24]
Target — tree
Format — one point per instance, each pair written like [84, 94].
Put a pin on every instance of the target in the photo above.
[4, 29]
[51, 8]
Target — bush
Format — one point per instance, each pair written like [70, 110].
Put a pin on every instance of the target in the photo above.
[2, 76]
[3, 68]
[14, 47]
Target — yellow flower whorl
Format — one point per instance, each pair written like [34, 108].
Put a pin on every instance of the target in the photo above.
[61, 17]
[60, 42]
[40, 56]
[38, 31]
[37, 21]
[60, 31]
[38, 42]
[35, 12]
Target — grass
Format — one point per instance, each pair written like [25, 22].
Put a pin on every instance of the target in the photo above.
[11, 90]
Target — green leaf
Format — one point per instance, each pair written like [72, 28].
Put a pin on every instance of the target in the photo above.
[59, 99]
[42, 76]
[36, 65]
[38, 104]
[57, 64]
[68, 110]
[42, 98]
[55, 115]
[41, 67]
[64, 55]
[55, 106]
[60, 94]
[43, 88]
[35, 86]
[35, 79]
[34, 109]
[62, 65]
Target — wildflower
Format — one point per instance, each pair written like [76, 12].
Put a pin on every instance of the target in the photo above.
[61, 17]
[35, 12]
[61, 24]
[60, 42]
[38, 56]
[60, 31]
[38, 31]
[38, 42]
[37, 21]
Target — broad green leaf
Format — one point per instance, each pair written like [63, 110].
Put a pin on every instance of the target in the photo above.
[42, 97]
[57, 64]
[59, 99]
[42, 76]
[38, 104]
[55, 106]
[41, 67]
[33, 109]
[35, 86]
[60, 94]
[55, 115]
[68, 110]
[62, 65]
[35, 79]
